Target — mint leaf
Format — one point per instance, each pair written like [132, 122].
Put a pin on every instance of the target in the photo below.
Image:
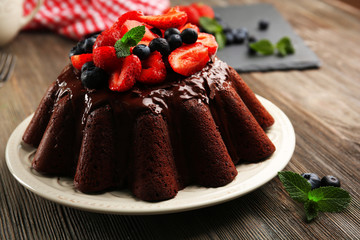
[130, 39]
[220, 39]
[133, 36]
[330, 199]
[284, 46]
[297, 186]
[263, 47]
[122, 49]
[311, 210]
[210, 25]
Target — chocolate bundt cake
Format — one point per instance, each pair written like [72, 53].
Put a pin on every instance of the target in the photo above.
[155, 139]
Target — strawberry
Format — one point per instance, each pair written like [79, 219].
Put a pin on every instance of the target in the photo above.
[132, 15]
[192, 14]
[204, 10]
[79, 60]
[189, 25]
[107, 38]
[153, 69]
[129, 24]
[105, 58]
[124, 79]
[172, 19]
[208, 41]
[189, 59]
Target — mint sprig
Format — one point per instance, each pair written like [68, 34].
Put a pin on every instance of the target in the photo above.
[323, 199]
[130, 39]
[284, 47]
[210, 25]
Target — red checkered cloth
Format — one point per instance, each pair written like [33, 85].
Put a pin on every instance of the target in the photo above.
[77, 18]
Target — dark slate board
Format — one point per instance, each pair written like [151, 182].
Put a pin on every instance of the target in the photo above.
[248, 16]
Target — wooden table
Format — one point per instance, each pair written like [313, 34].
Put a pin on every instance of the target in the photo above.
[323, 106]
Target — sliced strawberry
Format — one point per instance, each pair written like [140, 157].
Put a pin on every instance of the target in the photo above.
[124, 79]
[129, 24]
[132, 15]
[208, 41]
[153, 69]
[204, 10]
[79, 60]
[172, 19]
[189, 25]
[192, 14]
[105, 58]
[189, 59]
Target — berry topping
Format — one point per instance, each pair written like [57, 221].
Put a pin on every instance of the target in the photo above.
[189, 59]
[142, 51]
[93, 77]
[153, 69]
[263, 24]
[129, 24]
[156, 31]
[124, 78]
[79, 60]
[192, 14]
[174, 41]
[204, 10]
[330, 181]
[170, 31]
[161, 45]
[208, 41]
[189, 25]
[313, 179]
[83, 46]
[105, 58]
[173, 18]
[189, 35]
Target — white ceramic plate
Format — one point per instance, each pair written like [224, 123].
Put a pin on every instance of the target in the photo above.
[61, 190]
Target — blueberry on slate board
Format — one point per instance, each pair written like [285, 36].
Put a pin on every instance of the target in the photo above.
[263, 24]
[313, 179]
[330, 181]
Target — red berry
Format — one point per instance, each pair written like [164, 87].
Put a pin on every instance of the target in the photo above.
[189, 25]
[107, 38]
[129, 24]
[153, 69]
[132, 15]
[192, 14]
[208, 41]
[124, 79]
[204, 10]
[105, 58]
[174, 18]
[189, 59]
[79, 60]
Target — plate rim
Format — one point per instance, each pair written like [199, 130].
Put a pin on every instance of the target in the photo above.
[71, 200]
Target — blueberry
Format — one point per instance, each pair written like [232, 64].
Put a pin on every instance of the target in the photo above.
[160, 45]
[263, 24]
[142, 51]
[313, 179]
[239, 37]
[229, 38]
[330, 181]
[174, 41]
[252, 39]
[189, 35]
[93, 77]
[157, 31]
[83, 46]
[170, 31]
